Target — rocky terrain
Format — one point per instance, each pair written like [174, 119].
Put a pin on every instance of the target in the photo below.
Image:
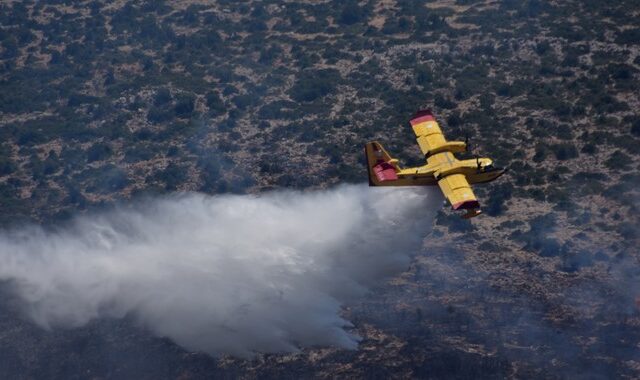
[103, 102]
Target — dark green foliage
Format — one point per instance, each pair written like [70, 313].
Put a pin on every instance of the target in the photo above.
[172, 176]
[489, 246]
[159, 114]
[243, 101]
[589, 148]
[497, 196]
[562, 109]
[629, 37]
[47, 128]
[6, 167]
[516, 88]
[51, 164]
[472, 81]
[351, 13]
[618, 161]
[540, 154]
[542, 47]
[311, 85]
[606, 104]
[635, 128]
[76, 100]
[6, 164]
[442, 102]
[621, 71]
[163, 96]
[227, 124]
[628, 230]
[570, 60]
[210, 168]
[277, 110]
[98, 152]
[397, 25]
[563, 131]
[109, 179]
[138, 153]
[269, 54]
[564, 151]
[585, 177]
[536, 238]
[454, 120]
[10, 47]
[574, 261]
[486, 102]
[74, 196]
[185, 104]
[215, 103]
[424, 76]
[454, 223]
[143, 134]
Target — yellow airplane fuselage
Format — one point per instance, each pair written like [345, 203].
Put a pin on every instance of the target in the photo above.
[442, 168]
[440, 165]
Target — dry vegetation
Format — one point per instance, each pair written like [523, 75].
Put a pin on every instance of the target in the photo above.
[104, 101]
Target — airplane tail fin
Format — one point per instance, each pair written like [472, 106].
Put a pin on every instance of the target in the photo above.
[381, 167]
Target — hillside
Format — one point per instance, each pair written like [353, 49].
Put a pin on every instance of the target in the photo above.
[104, 102]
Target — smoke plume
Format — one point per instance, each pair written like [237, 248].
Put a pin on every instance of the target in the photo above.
[233, 274]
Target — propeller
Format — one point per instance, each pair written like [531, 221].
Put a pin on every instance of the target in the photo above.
[469, 149]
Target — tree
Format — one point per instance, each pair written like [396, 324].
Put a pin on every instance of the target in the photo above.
[351, 13]
[313, 84]
[185, 104]
[635, 128]
[163, 96]
[98, 152]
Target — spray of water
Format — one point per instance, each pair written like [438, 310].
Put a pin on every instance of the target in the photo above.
[233, 274]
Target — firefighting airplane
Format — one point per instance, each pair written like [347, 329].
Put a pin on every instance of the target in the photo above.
[452, 175]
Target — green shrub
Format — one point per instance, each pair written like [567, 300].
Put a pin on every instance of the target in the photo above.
[163, 96]
[589, 148]
[98, 152]
[243, 101]
[629, 37]
[314, 84]
[351, 13]
[215, 103]
[564, 151]
[185, 104]
[424, 75]
[618, 161]
[157, 115]
[172, 176]
[138, 152]
[635, 128]
[108, 179]
[6, 164]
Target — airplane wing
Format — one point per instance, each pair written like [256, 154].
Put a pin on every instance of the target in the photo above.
[457, 190]
[430, 137]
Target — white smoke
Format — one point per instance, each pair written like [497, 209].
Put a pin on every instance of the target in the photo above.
[231, 274]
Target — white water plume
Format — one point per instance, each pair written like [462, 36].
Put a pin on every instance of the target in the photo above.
[231, 274]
